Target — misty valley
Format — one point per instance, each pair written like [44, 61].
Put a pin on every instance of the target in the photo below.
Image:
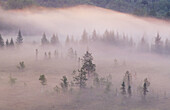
[83, 58]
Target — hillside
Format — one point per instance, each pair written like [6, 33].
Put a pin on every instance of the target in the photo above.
[155, 8]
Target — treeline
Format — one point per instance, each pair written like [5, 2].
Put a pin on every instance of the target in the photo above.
[108, 38]
[156, 8]
[114, 39]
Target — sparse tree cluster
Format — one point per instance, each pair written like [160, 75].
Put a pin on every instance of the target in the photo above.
[54, 40]
[10, 43]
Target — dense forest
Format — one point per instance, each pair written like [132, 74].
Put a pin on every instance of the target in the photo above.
[155, 8]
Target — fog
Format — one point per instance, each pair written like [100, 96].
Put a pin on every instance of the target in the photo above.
[27, 92]
[73, 20]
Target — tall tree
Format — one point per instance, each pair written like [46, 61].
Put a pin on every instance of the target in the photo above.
[19, 39]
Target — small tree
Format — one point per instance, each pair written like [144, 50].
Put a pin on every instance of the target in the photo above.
[71, 53]
[108, 85]
[64, 83]
[145, 87]
[19, 39]
[36, 53]
[43, 80]
[128, 81]
[12, 80]
[123, 89]
[129, 91]
[21, 66]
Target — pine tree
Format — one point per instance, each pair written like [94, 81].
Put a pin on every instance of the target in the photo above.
[19, 39]
[7, 43]
[71, 53]
[143, 45]
[64, 83]
[67, 42]
[145, 90]
[54, 40]
[72, 40]
[84, 37]
[81, 78]
[36, 53]
[158, 44]
[21, 66]
[1, 41]
[88, 65]
[145, 87]
[123, 89]
[129, 91]
[94, 36]
[11, 44]
[44, 40]
[128, 80]
[56, 54]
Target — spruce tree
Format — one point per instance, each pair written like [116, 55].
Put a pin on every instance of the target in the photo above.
[84, 37]
[44, 40]
[19, 39]
[11, 44]
[54, 40]
[94, 35]
[158, 44]
[81, 78]
[67, 42]
[88, 65]
[7, 43]
[1, 41]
